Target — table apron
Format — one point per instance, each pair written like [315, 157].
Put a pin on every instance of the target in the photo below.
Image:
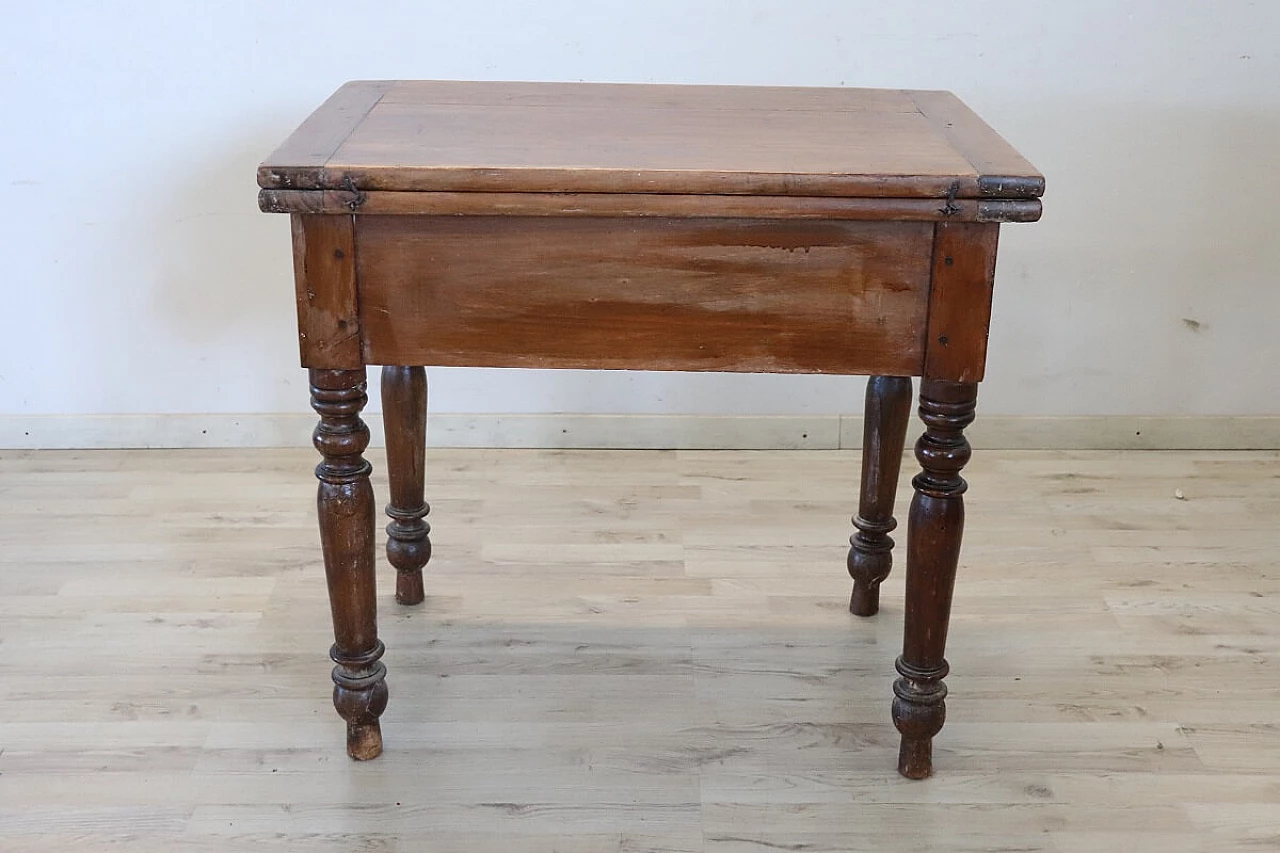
[656, 294]
[707, 294]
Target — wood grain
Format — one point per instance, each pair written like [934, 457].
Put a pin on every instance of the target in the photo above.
[649, 205]
[299, 162]
[964, 269]
[324, 274]
[404, 411]
[935, 527]
[886, 414]
[344, 505]
[575, 137]
[1002, 171]
[691, 671]
[729, 295]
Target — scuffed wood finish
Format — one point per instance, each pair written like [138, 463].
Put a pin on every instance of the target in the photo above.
[325, 283]
[964, 268]
[784, 297]
[404, 412]
[888, 409]
[650, 205]
[299, 163]
[582, 137]
[345, 504]
[934, 529]
[1002, 171]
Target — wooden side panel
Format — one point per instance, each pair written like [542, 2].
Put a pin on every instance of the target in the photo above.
[659, 294]
[324, 271]
[964, 265]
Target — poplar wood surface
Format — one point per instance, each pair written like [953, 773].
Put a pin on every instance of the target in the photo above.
[653, 294]
[429, 135]
[638, 651]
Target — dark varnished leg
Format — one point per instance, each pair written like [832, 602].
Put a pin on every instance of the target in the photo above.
[934, 529]
[345, 502]
[404, 409]
[884, 432]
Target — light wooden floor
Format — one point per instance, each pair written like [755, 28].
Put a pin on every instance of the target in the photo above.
[638, 651]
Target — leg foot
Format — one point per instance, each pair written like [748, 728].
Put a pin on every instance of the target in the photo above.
[915, 758]
[919, 711]
[404, 408]
[865, 600]
[934, 529]
[888, 408]
[360, 695]
[345, 506]
[364, 741]
[409, 587]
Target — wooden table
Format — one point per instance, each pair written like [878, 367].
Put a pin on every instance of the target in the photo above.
[775, 230]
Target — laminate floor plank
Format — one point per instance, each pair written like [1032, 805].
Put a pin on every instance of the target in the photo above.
[638, 651]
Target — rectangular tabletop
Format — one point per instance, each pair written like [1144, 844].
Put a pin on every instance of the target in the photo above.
[440, 136]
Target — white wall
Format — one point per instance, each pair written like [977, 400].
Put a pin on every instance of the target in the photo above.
[140, 278]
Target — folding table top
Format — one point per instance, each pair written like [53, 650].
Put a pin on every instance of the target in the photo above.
[441, 136]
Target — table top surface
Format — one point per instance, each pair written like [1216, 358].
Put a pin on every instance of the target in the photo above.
[424, 136]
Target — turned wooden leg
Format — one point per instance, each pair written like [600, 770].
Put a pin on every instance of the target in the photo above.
[404, 412]
[934, 528]
[345, 503]
[884, 432]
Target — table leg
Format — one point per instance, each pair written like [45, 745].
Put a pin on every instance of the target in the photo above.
[934, 529]
[346, 510]
[884, 432]
[404, 413]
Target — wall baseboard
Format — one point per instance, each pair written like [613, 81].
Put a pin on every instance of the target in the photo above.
[700, 432]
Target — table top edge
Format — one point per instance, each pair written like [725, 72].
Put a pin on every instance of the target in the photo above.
[306, 160]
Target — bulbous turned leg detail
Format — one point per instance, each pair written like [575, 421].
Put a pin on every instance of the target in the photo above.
[404, 411]
[934, 529]
[346, 511]
[360, 696]
[884, 432]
